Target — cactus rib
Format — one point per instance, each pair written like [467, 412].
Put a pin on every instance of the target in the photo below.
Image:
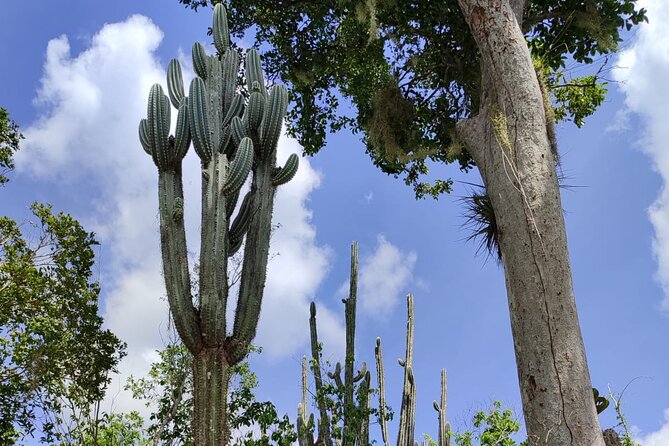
[240, 167]
[199, 121]
[199, 60]
[220, 29]
[275, 111]
[287, 172]
[175, 83]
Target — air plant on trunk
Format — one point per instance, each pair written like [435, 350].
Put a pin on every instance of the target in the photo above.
[234, 136]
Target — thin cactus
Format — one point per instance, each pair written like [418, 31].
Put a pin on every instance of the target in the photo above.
[405, 435]
[383, 418]
[210, 116]
[356, 427]
[324, 420]
[305, 433]
[350, 312]
[444, 425]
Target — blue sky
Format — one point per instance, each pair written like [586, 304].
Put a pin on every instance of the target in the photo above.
[76, 80]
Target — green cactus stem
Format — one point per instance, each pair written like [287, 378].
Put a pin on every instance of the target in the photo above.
[175, 83]
[444, 425]
[220, 29]
[199, 119]
[405, 435]
[200, 60]
[240, 167]
[350, 313]
[305, 432]
[324, 420]
[254, 76]
[211, 117]
[287, 172]
[383, 417]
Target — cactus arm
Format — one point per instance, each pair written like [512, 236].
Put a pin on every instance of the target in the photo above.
[256, 253]
[208, 257]
[254, 113]
[350, 313]
[305, 425]
[229, 70]
[336, 376]
[239, 167]
[287, 172]
[363, 436]
[213, 259]
[444, 425]
[270, 128]
[175, 259]
[220, 256]
[199, 120]
[254, 77]
[324, 421]
[240, 224]
[237, 129]
[200, 61]
[144, 135]
[158, 125]
[175, 83]
[220, 29]
[235, 108]
[383, 419]
[182, 132]
[231, 203]
[407, 421]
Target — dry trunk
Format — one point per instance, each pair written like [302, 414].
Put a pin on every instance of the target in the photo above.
[508, 140]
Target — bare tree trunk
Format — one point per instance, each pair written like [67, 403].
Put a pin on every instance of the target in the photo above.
[508, 140]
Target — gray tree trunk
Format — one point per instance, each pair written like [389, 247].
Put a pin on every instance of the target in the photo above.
[508, 141]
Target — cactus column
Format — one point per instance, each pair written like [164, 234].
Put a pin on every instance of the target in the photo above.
[233, 137]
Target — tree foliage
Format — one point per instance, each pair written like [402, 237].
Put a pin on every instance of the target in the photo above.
[10, 136]
[55, 357]
[411, 69]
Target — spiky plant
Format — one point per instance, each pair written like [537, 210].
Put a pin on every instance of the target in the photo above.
[356, 412]
[233, 137]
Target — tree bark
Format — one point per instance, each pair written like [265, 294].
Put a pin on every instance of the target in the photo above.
[210, 392]
[508, 141]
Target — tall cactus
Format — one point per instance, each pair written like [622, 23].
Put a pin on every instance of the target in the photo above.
[356, 412]
[210, 116]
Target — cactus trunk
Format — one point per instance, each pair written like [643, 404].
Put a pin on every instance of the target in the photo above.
[230, 148]
[210, 393]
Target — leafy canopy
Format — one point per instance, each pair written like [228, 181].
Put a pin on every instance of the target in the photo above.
[54, 354]
[411, 69]
[9, 144]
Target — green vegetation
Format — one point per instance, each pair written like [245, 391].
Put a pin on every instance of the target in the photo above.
[9, 144]
[412, 69]
[56, 358]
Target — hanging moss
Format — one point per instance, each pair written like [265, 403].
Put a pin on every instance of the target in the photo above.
[391, 123]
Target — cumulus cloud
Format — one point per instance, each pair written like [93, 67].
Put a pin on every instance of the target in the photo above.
[659, 437]
[383, 278]
[85, 139]
[643, 73]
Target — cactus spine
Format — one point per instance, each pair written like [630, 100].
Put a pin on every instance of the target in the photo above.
[356, 413]
[229, 152]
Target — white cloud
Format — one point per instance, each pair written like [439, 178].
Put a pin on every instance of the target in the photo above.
[645, 67]
[657, 438]
[383, 278]
[85, 139]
